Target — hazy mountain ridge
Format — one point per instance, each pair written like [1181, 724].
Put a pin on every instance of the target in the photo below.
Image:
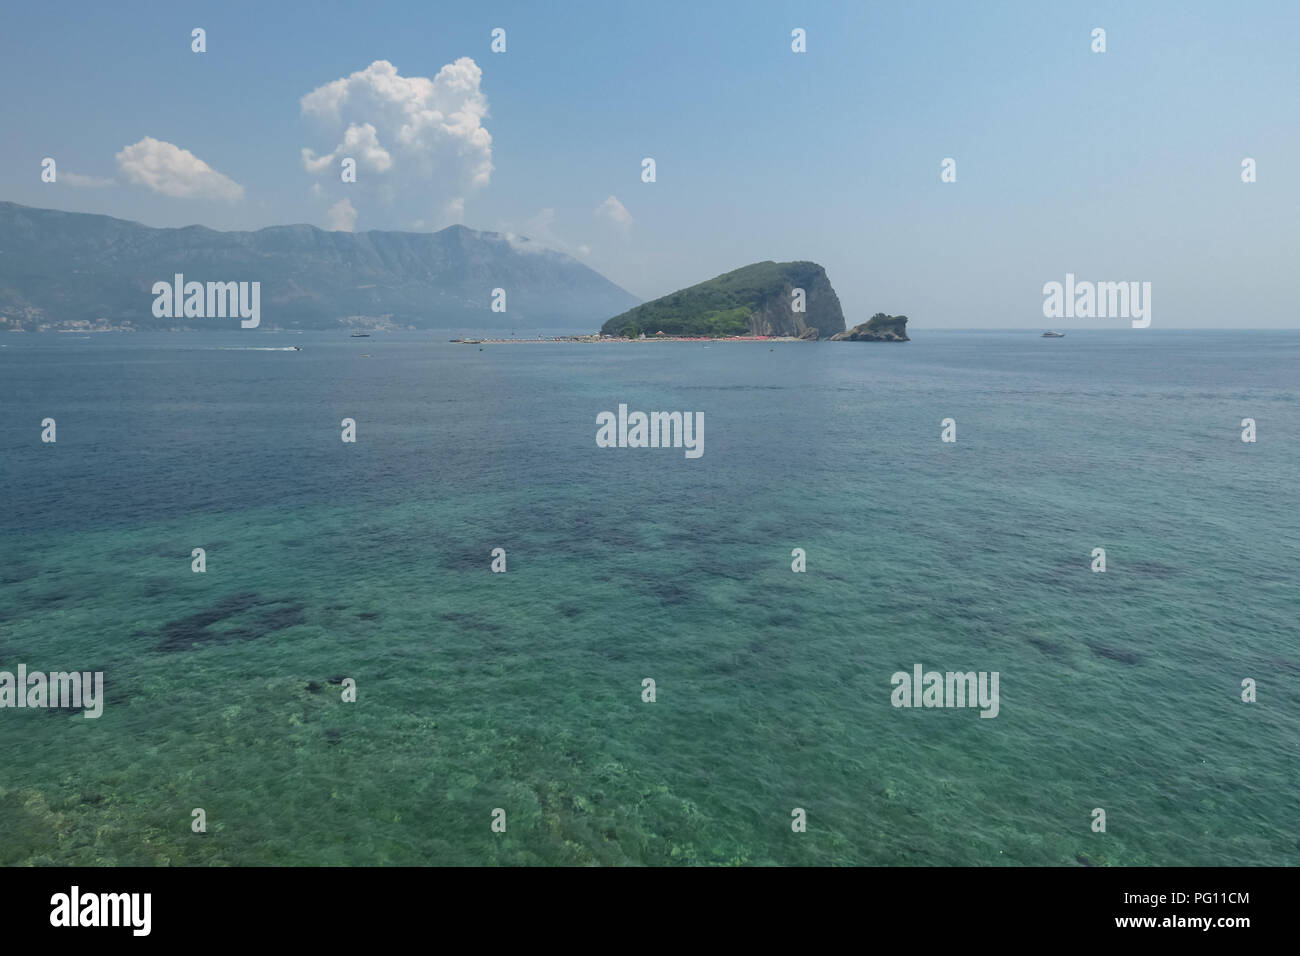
[62, 268]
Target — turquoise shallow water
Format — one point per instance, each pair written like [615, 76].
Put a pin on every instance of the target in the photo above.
[523, 690]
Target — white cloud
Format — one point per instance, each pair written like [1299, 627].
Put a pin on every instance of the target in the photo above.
[343, 218]
[537, 234]
[361, 140]
[90, 182]
[314, 164]
[360, 143]
[412, 135]
[541, 227]
[615, 212]
[166, 168]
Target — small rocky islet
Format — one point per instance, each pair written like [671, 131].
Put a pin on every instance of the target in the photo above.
[879, 328]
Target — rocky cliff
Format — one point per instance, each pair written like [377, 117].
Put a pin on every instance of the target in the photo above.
[879, 328]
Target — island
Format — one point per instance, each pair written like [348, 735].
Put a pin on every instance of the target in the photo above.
[763, 300]
[879, 328]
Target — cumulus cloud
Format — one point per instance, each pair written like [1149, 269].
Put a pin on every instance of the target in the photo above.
[410, 135]
[314, 164]
[166, 168]
[541, 228]
[614, 211]
[342, 216]
[89, 182]
[538, 234]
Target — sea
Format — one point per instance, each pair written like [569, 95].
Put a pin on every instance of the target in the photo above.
[504, 717]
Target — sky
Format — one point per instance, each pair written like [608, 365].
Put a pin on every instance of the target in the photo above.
[1123, 165]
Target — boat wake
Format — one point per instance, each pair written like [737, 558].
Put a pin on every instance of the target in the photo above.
[241, 348]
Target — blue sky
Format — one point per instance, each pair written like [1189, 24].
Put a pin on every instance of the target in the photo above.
[1123, 165]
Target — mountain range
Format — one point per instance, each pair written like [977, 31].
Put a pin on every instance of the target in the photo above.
[68, 270]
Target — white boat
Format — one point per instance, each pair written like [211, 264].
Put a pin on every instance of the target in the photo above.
[1053, 335]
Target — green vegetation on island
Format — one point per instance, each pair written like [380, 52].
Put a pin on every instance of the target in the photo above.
[758, 299]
